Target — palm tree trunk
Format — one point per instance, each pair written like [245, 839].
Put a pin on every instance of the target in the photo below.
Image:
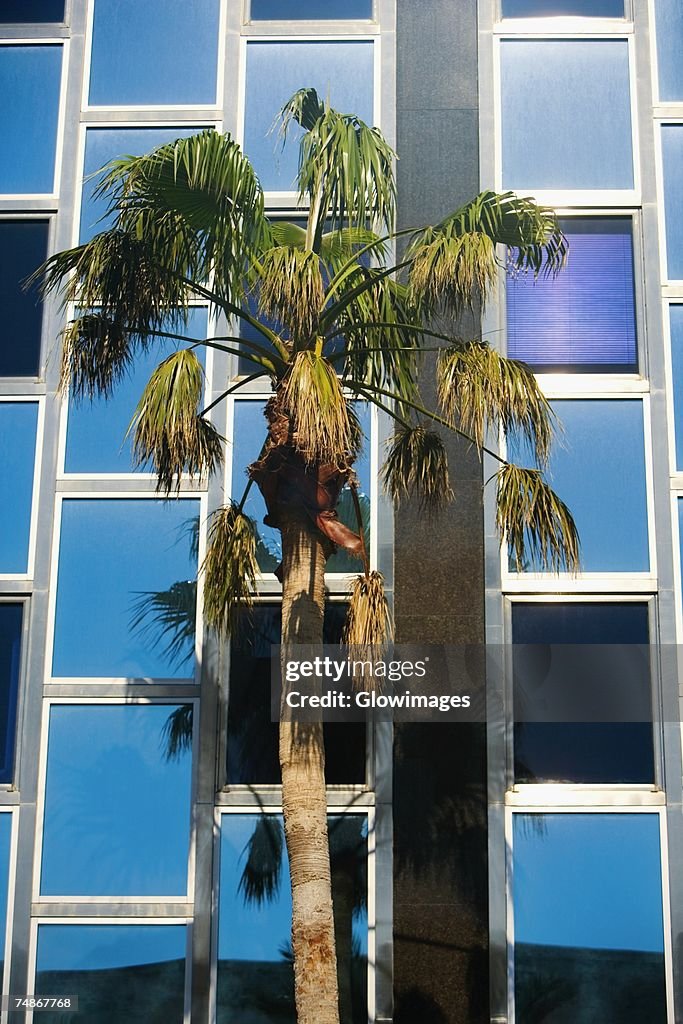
[304, 800]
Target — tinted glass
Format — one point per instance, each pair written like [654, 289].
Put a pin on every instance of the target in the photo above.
[18, 423]
[11, 619]
[122, 972]
[157, 52]
[5, 850]
[117, 807]
[583, 319]
[669, 17]
[249, 435]
[255, 976]
[593, 645]
[294, 10]
[252, 749]
[672, 158]
[676, 322]
[341, 72]
[31, 11]
[28, 125]
[23, 247]
[603, 442]
[588, 932]
[105, 144]
[566, 114]
[572, 8]
[125, 589]
[96, 434]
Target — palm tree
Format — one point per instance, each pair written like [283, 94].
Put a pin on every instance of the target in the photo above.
[337, 320]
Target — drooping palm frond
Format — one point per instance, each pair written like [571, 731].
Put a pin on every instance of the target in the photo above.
[305, 108]
[166, 619]
[312, 397]
[262, 871]
[537, 524]
[176, 735]
[167, 428]
[417, 466]
[97, 353]
[229, 568]
[479, 388]
[368, 626]
[291, 290]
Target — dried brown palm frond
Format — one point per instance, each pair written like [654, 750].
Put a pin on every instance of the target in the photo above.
[479, 388]
[291, 290]
[450, 270]
[417, 466]
[97, 352]
[537, 524]
[368, 626]
[229, 568]
[312, 397]
[167, 428]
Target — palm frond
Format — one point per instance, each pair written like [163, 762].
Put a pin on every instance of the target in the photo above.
[229, 568]
[322, 426]
[168, 431]
[537, 524]
[176, 735]
[291, 290]
[304, 107]
[262, 871]
[97, 353]
[479, 388]
[166, 619]
[368, 626]
[417, 466]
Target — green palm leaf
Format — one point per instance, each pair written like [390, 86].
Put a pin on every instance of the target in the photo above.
[536, 523]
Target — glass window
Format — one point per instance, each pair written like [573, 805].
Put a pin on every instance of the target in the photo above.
[126, 588]
[25, 11]
[5, 851]
[117, 804]
[96, 433]
[18, 424]
[566, 114]
[294, 10]
[575, 667]
[601, 441]
[252, 748]
[585, 318]
[249, 433]
[11, 621]
[589, 942]
[23, 247]
[341, 72]
[254, 950]
[676, 324]
[105, 144]
[120, 972]
[159, 52]
[28, 125]
[669, 17]
[672, 158]
[563, 8]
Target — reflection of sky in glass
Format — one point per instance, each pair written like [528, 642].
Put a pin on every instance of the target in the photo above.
[96, 435]
[105, 144]
[575, 8]
[603, 443]
[669, 17]
[18, 423]
[30, 75]
[5, 842]
[676, 321]
[588, 880]
[341, 72]
[566, 114]
[248, 436]
[92, 947]
[291, 10]
[149, 53]
[117, 813]
[112, 551]
[672, 159]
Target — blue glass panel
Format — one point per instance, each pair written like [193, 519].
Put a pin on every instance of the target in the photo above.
[672, 157]
[23, 11]
[669, 18]
[341, 72]
[121, 560]
[18, 424]
[117, 808]
[604, 443]
[105, 144]
[254, 965]
[11, 621]
[31, 76]
[563, 8]
[23, 247]
[158, 52]
[96, 433]
[588, 918]
[676, 322]
[5, 850]
[566, 114]
[122, 973]
[248, 437]
[585, 318]
[295, 10]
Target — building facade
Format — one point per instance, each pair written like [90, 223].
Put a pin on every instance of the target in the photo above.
[521, 871]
